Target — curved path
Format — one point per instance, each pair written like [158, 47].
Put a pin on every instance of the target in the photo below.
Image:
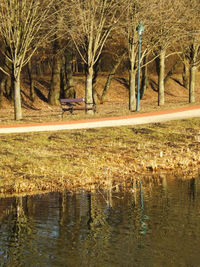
[141, 118]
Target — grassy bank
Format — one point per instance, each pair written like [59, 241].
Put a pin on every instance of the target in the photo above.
[92, 158]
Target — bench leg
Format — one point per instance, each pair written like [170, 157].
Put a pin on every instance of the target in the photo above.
[72, 111]
[91, 108]
[69, 109]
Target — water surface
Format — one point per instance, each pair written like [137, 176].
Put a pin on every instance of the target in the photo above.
[158, 226]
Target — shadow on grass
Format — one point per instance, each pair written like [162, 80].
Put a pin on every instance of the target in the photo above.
[25, 96]
[153, 85]
[40, 95]
[177, 81]
[44, 83]
[122, 81]
[26, 105]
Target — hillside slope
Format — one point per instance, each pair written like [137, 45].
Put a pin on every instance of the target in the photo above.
[116, 102]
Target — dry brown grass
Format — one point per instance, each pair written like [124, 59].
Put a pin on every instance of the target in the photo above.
[116, 103]
[97, 158]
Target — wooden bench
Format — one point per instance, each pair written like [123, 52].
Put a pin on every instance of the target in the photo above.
[75, 104]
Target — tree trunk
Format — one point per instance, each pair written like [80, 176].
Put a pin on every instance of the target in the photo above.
[74, 64]
[17, 98]
[8, 81]
[96, 70]
[192, 84]
[132, 78]
[110, 77]
[186, 73]
[2, 86]
[88, 90]
[144, 77]
[63, 82]
[30, 74]
[54, 93]
[9, 88]
[38, 69]
[5, 88]
[161, 85]
[69, 90]
[132, 98]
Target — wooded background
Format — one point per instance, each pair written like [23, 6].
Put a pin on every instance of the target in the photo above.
[64, 37]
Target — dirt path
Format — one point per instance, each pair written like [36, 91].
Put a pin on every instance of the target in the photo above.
[135, 119]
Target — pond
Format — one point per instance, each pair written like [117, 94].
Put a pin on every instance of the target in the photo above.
[157, 225]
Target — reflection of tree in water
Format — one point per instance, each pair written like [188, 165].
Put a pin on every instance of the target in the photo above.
[84, 228]
[143, 217]
[193, 195]
[87, 223]
[19, 233]
[84, 221]
[192, 188]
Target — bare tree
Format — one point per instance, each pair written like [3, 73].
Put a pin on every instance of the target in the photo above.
[90, 24]
[132, 22]
[22, 30]
[54, 92]
[194, 63]
[138, 11]
[166, 18]
[191, 51]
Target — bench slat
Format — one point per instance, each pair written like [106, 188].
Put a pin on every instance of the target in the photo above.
[72, 100]
[73, 104]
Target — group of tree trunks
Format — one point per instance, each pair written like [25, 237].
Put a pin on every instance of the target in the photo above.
[87, 31]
